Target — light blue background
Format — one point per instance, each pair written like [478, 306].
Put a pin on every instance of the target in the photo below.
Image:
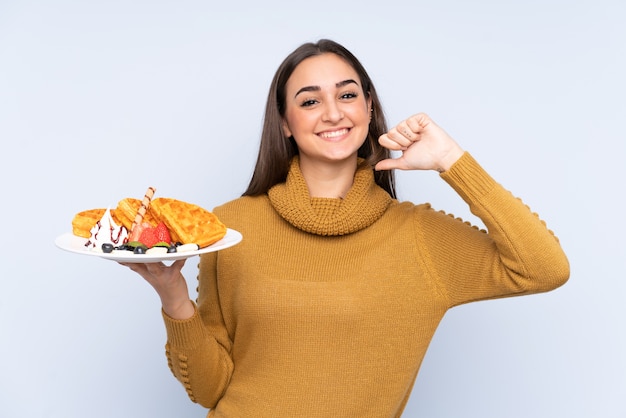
[99, 100]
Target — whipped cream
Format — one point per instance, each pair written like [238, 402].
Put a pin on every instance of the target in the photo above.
[106, 231]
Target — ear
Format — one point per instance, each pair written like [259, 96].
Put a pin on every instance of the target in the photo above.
[286, 129]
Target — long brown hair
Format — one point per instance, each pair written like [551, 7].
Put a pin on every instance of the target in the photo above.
[276, 151]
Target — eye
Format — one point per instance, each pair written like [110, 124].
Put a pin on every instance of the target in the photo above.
[349, 95]
[308, 102]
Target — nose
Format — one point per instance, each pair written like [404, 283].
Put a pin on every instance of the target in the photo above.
[332, 112]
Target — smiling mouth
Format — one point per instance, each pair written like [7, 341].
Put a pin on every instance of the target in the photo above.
[334, 134]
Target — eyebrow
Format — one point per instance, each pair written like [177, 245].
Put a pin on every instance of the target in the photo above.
[318, 88]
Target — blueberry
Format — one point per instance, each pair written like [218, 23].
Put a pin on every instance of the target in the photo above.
[139, 250]
[171, 249]
[107, 247]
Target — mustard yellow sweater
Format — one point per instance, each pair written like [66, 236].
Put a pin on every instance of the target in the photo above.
[327, 306]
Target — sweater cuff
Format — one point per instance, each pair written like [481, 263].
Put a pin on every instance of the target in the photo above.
[468, 178]
[184, 333]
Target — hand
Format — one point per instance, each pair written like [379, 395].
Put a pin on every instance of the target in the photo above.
[424, 146]
[169, 283]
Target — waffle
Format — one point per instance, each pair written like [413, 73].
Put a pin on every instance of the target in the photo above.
[188, 223]
[85, 220]
[126, 211]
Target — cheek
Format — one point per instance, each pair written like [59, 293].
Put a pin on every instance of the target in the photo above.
[299, 121]
[361, 116]
[289, 122]
[361, 111]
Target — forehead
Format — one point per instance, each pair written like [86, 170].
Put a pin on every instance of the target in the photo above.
[324, 70]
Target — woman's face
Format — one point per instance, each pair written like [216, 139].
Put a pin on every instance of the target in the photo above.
[327, 111]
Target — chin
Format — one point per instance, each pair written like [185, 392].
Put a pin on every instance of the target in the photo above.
[340, 158]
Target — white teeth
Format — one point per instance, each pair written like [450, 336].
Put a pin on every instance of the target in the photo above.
[333, 134]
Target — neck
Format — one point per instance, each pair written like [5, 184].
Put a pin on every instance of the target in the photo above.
[330, 180]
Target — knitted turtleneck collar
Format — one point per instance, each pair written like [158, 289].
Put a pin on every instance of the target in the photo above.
[363, 205]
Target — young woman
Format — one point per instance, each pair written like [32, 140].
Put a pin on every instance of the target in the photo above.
[327, 306]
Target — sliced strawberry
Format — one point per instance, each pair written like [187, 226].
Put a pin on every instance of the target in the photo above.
[162, 233]
[148, 237]
[137, 230]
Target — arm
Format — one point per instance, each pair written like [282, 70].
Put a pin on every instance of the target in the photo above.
[518, 254]
[197, 349]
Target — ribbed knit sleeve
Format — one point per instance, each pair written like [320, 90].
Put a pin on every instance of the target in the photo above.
[184, 334]
[517, 254]
[198, 352]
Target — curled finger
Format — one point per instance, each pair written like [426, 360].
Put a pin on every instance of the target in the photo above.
[418, 122]
[407, 132]
[388, 142]
[402, 135]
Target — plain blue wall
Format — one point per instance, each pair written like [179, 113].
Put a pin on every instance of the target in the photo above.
[99, 100]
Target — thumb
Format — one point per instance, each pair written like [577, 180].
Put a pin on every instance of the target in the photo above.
[387, 164]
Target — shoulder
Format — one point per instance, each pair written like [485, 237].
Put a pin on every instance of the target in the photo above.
[242, 201]
[425, 218]
[398, 208]
[242, 209]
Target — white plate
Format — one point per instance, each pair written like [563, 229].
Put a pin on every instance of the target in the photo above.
[72, 243]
